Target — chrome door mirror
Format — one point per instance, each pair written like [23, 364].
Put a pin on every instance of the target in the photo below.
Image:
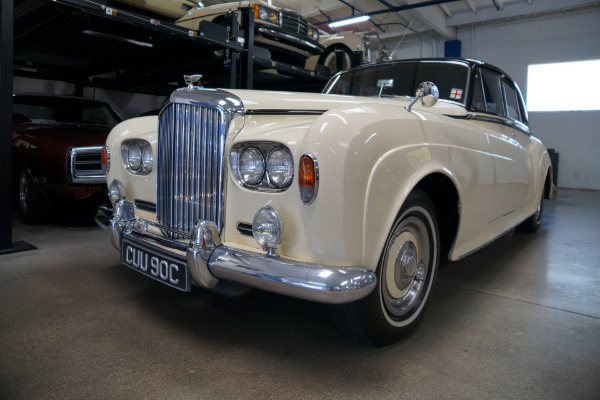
[428, 93]
[383, 83]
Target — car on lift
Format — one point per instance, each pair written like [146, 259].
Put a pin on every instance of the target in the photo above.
[345, 50]
[350, 197]
[45, 130]
[170, 8]
[284, 33]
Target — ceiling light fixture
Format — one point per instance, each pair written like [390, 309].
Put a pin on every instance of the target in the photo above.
[350, 21]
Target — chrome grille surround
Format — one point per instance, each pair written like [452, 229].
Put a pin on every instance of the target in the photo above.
[294, 23]
[190, 159]
[84, 165]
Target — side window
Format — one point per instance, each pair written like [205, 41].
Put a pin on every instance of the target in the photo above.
[512, 103]
[492, 92]
[478, 101]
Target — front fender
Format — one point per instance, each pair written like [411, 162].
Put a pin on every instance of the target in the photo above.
[352, 145]
[372, 156]
[137, 186]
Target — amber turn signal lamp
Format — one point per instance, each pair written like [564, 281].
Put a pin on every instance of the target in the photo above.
[255, 7]
[104, 159]
[308, 178]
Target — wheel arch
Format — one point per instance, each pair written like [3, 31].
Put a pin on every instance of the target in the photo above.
[444, 195]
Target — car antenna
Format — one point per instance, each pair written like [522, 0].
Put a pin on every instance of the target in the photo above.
[401, 39]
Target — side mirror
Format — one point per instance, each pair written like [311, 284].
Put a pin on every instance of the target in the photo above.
[428, 93]
[383, 83]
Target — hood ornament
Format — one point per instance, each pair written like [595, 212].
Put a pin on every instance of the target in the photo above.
[192, 80]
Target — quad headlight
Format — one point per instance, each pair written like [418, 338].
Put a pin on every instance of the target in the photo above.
[137, 156]
[265, 13]
[252, 166]
[280, 167]
[262, 165]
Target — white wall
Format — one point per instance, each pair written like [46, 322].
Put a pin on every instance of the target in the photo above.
[128, 105]
[414, 47]
[512, 46]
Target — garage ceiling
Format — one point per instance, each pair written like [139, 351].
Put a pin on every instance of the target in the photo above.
[54, 42]
[440, 18]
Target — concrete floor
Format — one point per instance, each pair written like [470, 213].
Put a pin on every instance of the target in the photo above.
[518, 319]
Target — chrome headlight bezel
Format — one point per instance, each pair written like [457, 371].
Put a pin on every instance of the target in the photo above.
[137, 156]
[272, 179]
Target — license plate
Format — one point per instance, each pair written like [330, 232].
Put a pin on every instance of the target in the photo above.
[166, 269]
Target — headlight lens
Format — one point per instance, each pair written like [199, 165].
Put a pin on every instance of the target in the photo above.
[137, 156]
[134, 158]
[280, 168]
[313, 32]
[268, 14]
[252, 166]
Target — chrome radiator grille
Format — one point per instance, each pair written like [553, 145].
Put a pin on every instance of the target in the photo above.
[294, 23]
[191, 142]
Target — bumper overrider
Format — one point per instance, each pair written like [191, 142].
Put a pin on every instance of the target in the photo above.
[209, 261]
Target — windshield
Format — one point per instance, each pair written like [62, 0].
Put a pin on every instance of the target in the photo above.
[61, 110]
[402, 78]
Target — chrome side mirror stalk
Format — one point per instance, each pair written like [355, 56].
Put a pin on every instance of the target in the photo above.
[384, 83]
[428, 93]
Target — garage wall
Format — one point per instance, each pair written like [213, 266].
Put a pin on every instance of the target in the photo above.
[511, 46]
[414, 47]
[129, 105]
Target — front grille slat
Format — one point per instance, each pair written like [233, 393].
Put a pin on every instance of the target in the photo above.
[294, 23]
[190, 165]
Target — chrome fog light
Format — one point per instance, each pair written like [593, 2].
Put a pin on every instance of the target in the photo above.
[116, 192]
[267, 229]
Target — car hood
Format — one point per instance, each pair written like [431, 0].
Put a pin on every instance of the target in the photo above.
[297, 101]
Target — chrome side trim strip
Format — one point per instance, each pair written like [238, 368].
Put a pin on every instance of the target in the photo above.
[268, 111]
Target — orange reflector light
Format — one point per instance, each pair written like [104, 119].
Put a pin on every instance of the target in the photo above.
[255, 6]
[308, 178]
[306, 173]
[104, 156]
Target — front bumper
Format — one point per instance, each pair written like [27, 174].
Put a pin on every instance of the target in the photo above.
[209, 261]
[294, 43]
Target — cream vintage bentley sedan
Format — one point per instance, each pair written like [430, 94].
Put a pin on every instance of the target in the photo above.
[348, 198]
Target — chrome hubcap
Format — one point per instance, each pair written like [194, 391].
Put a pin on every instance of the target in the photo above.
[406, 267]
[538, 214]
[23, 190]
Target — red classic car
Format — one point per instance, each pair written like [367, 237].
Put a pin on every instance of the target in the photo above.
[45, 129]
